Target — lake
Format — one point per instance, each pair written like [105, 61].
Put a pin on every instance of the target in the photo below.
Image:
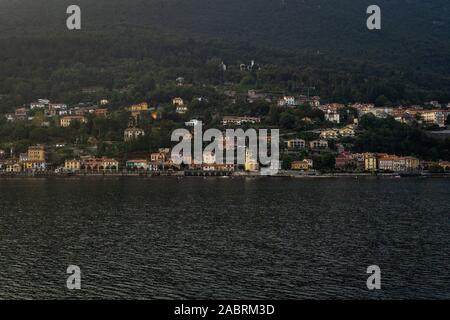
[219, 238]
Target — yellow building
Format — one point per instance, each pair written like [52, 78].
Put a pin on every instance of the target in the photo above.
[72, 165]
[251, 164]
[36, 153]
[66, 121]
[411, 163]
[139, 107]
[370, 162]
[306, 164]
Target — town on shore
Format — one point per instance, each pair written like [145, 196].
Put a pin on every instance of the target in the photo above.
[323, 147]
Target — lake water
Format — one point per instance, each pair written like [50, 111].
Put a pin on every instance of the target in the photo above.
[224, 238]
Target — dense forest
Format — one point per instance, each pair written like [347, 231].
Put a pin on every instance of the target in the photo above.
[128, 51]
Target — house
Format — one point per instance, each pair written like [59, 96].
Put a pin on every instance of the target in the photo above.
[329, 134]
[287, 101]
[21, 113]
[137, 164]
[305, 164]
[347, 131]
[296, 144]
[333, 117]
[32, 165]
[36, 153]
[66, 121]
[181, 109]
[131, 134]
[251, 162]
[177, 101]
[231, 120]
[437, 117]
[370, 162]
[100, 164]
[162, 156]
[37, 105]
[345, 160]
[72, 165]
[140, 107]
[389, 163]
[192, 123]
[318, 144]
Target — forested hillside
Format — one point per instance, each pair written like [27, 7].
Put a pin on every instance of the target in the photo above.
[129, 48]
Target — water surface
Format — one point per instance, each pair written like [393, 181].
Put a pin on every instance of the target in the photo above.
[224, 238]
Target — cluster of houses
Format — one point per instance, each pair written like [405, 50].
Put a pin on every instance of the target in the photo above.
[32, 161]
[384, 162]
[432, 114]
[66, 114]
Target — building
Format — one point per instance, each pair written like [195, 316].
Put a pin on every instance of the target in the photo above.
[393, 163]
[162, 156]
[345, 160]
[72, 165]
[436, 117]
[177, 101]
[287, 101]
[101, 164]
[370, 162]
[36, 153]
[30, 165]
[306, 164]
[140, 107]
[137, 164]
[21, 113]
[230, 120]
[329, 134]
[131, 134]
[318, 144]
[333, 117]
[181, 109]
[192, 123]
[66, 121]
[347, 131]
[251, 162]
[296, 144]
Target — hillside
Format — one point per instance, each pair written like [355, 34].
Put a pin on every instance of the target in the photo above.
[300, 43]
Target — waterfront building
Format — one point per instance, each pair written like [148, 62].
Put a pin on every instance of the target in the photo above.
[72, 165]
[345, 160]
[306, 164]
[370, 162]
[137, 164]
[36, 153]
[251, 162]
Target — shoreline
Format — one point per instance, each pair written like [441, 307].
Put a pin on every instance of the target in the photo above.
[208, 175]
